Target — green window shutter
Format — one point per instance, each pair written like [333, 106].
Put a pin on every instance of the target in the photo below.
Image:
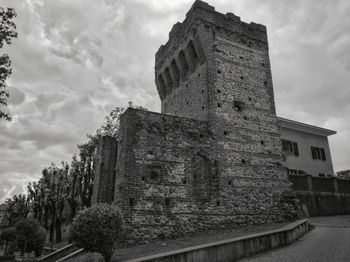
[313, 153]
[318, 153]
[323, 154]
[296, 151]
[283, 144]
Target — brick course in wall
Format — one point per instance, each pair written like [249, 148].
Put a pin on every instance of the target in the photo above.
[212, 158]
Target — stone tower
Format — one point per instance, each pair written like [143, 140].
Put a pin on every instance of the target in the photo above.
[211, 159]
[216, 68]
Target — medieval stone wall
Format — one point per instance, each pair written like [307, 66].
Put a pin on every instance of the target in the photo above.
[171, 180]
[167, 179]
[104, 181]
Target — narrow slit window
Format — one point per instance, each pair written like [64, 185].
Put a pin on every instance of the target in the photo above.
[238, 106]
[183, 63]
[175, 71]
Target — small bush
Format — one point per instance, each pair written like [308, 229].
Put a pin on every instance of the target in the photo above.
[30, 236]
[97, 228]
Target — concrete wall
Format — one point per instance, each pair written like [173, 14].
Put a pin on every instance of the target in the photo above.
[324, 203]
[304, 161]
[322, 196]
[234, 249]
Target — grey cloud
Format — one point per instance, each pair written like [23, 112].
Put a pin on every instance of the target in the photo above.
[66, 50]
[10, 188]
[43, 101]
[17, 96]
[83, 51]
[73, 34]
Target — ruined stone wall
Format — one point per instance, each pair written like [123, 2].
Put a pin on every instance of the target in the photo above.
[104, 181]
[171, 180]
[167, 179]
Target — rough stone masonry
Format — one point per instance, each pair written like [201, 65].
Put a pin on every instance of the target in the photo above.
[211, 159]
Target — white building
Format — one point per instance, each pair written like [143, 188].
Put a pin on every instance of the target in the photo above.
[306, 148]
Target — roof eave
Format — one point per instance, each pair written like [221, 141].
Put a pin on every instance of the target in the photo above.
[291, 124]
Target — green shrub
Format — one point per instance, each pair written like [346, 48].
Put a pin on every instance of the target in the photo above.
[30, 236]
[97, 228]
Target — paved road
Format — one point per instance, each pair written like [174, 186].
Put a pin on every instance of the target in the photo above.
[328, 242]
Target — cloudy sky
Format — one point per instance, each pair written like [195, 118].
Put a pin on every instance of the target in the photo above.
[75, 60]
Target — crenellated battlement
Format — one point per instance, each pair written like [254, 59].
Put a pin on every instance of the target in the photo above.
[207, 14]
[186, 64]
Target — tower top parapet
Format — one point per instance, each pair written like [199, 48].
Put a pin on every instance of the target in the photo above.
[202, 11]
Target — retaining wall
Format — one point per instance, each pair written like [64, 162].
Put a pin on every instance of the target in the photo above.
[236, 248]
[322, 196]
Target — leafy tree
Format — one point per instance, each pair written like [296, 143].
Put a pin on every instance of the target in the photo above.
[17, 208]
[36, 195]
[56, 185]
[48, 196]
[97, 228]
[110, 126]
[9, 236]
[73, 195]
[30, 236]
[85, 168]
[7, 33]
